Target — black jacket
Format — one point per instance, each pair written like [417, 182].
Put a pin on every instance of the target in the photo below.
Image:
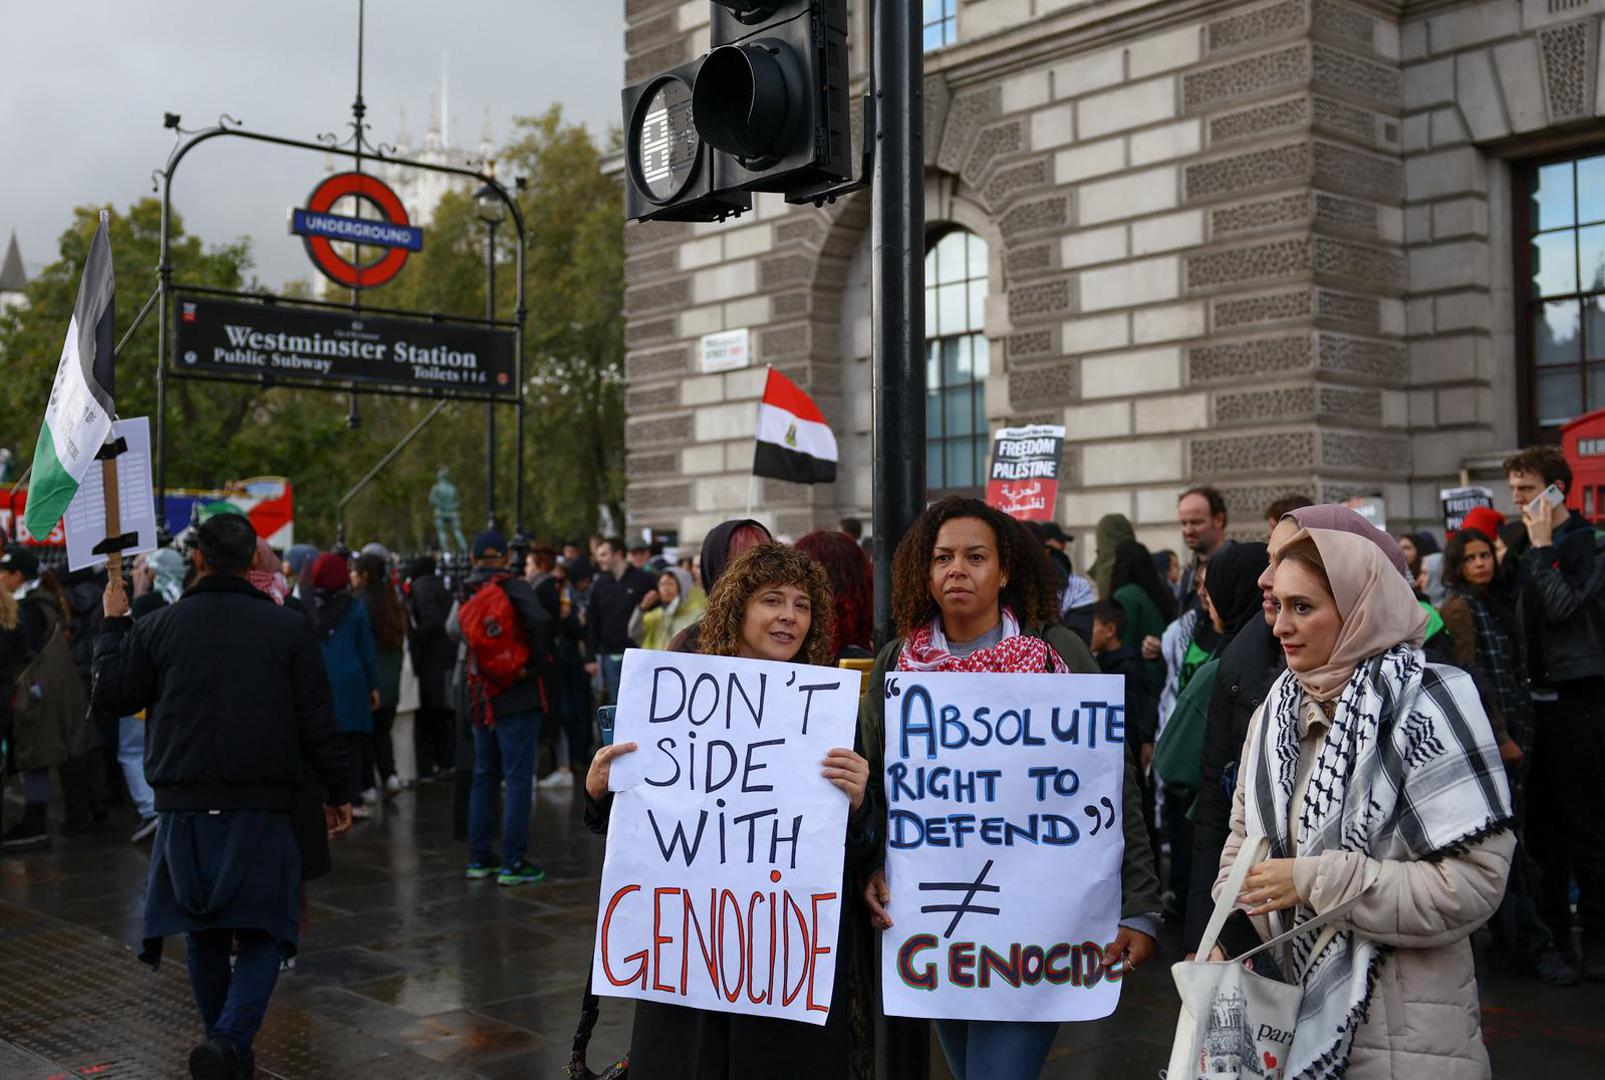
[524, 695]
[1248, 666]
[1560, 606]
[612, 601]
[1142, 711]
[236, 694]
[428, 605]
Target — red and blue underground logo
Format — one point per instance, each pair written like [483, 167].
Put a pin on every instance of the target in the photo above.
[389, 232]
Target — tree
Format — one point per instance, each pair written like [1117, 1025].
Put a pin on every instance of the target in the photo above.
[573, 362]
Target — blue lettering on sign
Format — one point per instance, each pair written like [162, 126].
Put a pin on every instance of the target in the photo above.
[370, 231]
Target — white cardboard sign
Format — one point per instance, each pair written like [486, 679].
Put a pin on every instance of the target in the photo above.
[722, 885]
[85, 516]
[1004, 844]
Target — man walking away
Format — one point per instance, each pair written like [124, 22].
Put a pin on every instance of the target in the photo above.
[615, 596]
[1559, 610]
[235, 699]
[508, 646]
[428, 605]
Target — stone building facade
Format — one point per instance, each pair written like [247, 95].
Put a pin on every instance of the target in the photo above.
[1277, 246]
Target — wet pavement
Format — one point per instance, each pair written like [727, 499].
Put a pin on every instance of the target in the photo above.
[408, 970]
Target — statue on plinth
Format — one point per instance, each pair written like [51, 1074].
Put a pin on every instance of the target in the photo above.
[447, 501]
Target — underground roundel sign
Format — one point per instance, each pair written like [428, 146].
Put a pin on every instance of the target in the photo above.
[389, 232]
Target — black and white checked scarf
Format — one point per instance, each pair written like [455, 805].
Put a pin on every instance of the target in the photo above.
[1406, 770]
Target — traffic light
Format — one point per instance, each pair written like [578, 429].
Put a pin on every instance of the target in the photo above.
[670, 172]
[767, 109]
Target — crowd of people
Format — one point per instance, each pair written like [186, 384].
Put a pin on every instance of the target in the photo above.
[1415, 735]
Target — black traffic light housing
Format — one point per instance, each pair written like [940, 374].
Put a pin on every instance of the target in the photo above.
[767, 109]
[670, 172]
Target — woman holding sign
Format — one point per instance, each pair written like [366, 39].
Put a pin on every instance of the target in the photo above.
[1377, 780]
[973, 591]
[770, 603]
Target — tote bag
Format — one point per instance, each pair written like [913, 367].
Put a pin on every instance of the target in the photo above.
[1235, 1023]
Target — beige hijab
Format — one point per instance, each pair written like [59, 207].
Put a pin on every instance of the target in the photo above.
[1379, 609]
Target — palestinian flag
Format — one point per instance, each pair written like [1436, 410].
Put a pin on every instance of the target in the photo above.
[794, 442]
[78, 418]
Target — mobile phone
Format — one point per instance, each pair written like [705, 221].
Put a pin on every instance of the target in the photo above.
[1552, 495]
[604, 723]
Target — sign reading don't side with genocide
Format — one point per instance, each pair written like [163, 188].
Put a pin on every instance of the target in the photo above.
[1003, 844]
[722, 887]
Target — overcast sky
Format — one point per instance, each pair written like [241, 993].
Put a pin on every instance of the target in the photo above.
[84, 84]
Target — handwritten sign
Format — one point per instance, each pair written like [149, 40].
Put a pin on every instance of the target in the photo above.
[1004, 844]
[722, 886]
[1024, 478]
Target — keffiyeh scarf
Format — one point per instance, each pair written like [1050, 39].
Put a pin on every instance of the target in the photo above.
[1407, 770]
[926, 650]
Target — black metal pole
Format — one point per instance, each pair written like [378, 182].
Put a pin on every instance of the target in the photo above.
[898, 345]
[490, 406]
[898, 294]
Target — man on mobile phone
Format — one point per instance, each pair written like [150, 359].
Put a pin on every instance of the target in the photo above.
[1560, 613]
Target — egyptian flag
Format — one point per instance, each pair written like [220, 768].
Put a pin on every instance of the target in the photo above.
[79, 416]
[794, 442]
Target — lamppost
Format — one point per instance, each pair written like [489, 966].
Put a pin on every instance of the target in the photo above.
[492, 212]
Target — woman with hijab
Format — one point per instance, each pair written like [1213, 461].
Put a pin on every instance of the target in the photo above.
[1377, 781]
[770, 602]
[679, 604]
[1113, 530]
[724, 542]
[348, 656]
[972, 590]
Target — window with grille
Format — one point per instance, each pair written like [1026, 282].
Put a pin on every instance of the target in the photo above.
[941, 23]
[1562, 271]
[957, 360]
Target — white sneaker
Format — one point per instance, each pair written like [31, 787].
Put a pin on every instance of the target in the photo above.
[392, 786]
[557, 778]
[370, 795]
[361, 812]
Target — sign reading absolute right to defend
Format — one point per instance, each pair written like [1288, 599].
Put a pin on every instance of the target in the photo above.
[722, 886]
[1004, 844]
[1024, 479]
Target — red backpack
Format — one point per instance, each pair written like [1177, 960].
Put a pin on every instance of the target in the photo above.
[498, 646]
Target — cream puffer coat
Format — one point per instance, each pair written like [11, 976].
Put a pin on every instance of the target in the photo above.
[1425, 1020]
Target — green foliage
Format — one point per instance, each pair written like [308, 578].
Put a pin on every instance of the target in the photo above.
[573, 361]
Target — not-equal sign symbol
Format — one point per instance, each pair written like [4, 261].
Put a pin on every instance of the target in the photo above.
[965, 906]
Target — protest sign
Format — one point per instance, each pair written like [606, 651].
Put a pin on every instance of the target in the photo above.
[85, 519]
[1004, 844]
[1460, 501]
[722, 886]
[1024, 479]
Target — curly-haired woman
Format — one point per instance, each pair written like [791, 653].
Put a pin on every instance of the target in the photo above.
[972, 590]
[770, 603]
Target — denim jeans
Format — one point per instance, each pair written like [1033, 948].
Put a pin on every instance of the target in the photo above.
[504, 753]
[131, 756]
[232, 1003]
[995, 1049]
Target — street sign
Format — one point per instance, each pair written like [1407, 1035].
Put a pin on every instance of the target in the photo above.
[230, 339]
[724, 351]
[390, 232]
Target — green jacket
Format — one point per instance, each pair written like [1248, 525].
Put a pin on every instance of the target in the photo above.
[1143, 620]
[1139, 883]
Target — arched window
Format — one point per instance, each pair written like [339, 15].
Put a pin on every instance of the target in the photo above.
[957, 360]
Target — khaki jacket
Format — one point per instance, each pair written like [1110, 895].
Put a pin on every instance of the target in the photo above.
[1424, 1021]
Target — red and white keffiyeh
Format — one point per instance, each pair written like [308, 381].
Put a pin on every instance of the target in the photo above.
[926, 650]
